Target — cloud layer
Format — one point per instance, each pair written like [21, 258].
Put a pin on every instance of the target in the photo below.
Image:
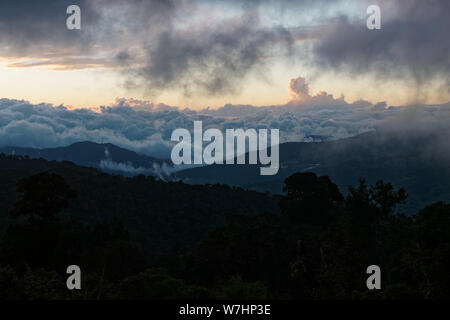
[146, 128]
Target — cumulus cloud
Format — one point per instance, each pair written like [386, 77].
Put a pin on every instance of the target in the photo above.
[300, 96]
[299, 89]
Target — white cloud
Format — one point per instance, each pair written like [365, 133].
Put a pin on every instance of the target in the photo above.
[146, 128]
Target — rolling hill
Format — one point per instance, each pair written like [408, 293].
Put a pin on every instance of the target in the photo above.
[162, 217]
[417, 161]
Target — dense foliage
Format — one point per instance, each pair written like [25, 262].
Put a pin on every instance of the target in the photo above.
[317, 245]
[163, 217]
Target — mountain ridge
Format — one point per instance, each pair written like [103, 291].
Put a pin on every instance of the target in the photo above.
[416, 160]
[105, 156]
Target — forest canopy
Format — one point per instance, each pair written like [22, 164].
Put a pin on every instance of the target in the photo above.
[315, 243]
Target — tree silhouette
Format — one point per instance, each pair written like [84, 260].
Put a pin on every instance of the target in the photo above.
[43, 195]
[310, 198]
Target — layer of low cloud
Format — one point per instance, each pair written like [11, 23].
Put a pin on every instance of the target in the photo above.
[146, 128]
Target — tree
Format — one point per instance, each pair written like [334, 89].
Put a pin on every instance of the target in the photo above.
[43, 195]
[309, 198]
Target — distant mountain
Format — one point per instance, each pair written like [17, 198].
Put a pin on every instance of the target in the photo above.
[417, 161]
[107, 157]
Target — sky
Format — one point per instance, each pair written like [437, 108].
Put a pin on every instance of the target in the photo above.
[200, 53]
[139, 69]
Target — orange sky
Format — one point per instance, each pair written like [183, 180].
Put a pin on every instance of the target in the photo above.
[91, 88]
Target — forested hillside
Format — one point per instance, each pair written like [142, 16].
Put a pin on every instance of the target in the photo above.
[416, 160]
[106, 156]
[163, 217]
[318, 245]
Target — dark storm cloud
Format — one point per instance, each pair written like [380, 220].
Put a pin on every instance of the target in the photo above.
[215, 60]
[413, 42]
[26, 25]
[37, 29]
[159, 44]
[142, 38]
[290, 3]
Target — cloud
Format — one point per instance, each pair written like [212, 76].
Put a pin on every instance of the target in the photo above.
[28, 25]
[413, 43]
[209, 47]
[300, 96]
[189, 45]
[154, 44]
[213, 60]
[35, 34]
[146, 128]
[299, 89]
[43, 126]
